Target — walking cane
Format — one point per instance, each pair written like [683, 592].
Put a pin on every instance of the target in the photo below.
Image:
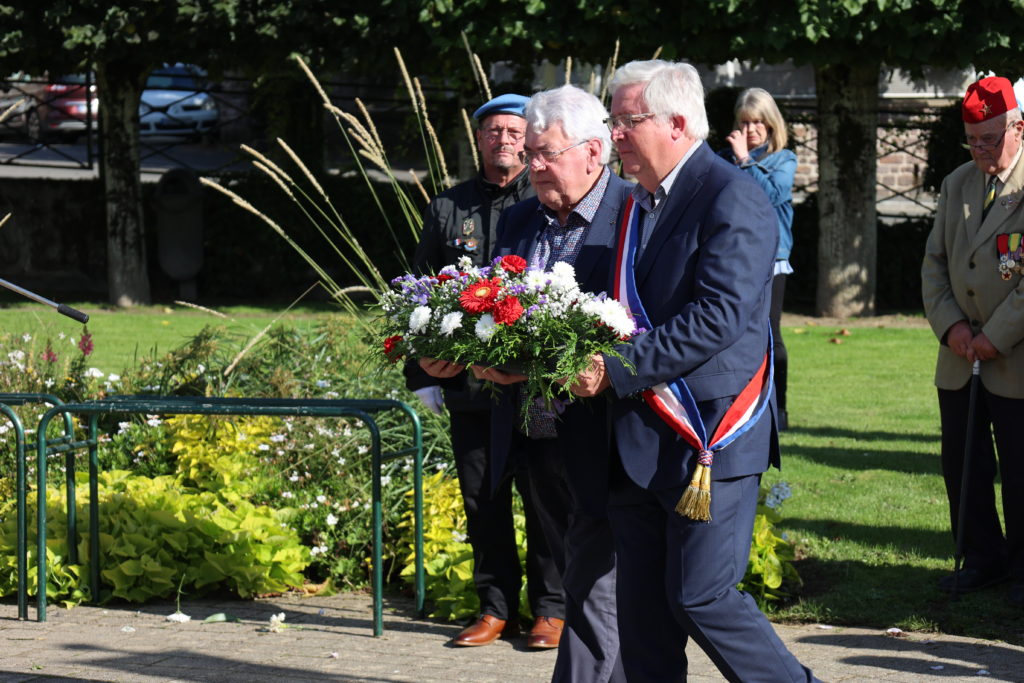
[63, 309]
[961, 518]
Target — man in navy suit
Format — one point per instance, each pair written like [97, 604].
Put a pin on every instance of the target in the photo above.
[572, 219]
[702, 273]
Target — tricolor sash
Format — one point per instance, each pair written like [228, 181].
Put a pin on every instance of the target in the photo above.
[672, 401]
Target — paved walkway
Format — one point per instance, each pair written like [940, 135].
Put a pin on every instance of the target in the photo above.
[330, 639]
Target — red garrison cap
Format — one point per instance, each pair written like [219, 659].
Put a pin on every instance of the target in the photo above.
[987, 99]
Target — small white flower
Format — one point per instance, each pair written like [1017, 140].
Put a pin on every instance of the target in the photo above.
[459, 537]
[95, 372]
[331, 519]
[321, 499]
[276, 623]
[113, 378]
[293, 477]
[61, 335]
[418, 319]
[277, 438]
[153, 420]
[322, 384]
[287, 494]
[385, 480]
[200, 368]
[26, 337]
[485, 327]
[17, 355]
[451, 322]
[264, 447]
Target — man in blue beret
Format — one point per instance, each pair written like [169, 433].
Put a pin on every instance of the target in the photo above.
[462, 221]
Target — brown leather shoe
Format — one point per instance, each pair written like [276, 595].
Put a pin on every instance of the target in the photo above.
[483, 631]
[546, 633]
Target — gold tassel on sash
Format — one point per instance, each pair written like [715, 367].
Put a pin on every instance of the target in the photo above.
[696, 500]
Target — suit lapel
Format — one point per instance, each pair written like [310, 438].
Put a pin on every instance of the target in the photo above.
[526, 242]
[686, 186]
[1006, 204]
[600, 235]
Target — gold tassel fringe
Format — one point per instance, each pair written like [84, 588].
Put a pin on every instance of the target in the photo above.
[696, 500]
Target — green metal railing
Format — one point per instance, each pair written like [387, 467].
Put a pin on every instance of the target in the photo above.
[7, 400]
[165, 405]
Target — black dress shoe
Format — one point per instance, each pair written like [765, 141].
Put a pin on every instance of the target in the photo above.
[1016, 596]
[972, 579]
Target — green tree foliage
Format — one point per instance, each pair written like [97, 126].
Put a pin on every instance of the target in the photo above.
[122, 42]
[849, 43]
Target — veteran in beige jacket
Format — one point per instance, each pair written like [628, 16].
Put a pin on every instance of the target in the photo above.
[973, 293]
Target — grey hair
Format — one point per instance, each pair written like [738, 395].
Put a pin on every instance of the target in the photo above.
[580, 114]
[670, 89]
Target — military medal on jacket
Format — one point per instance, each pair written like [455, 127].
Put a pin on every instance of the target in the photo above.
[1011, 254]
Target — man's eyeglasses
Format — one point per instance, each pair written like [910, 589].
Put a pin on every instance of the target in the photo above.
[987, 142]
[514, 134]
[627, 121]
[546, 156]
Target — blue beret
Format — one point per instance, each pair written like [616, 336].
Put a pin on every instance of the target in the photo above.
[503, 104]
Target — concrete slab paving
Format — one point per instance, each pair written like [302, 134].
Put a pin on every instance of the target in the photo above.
[331, 639]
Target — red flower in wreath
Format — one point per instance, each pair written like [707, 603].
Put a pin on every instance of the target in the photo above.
[444, 277]
[390, 349]
[507, 311]
[480, 296]
[513, 263]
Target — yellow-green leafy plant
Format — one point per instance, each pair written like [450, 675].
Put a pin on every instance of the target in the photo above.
[770, 567]
[449, 557]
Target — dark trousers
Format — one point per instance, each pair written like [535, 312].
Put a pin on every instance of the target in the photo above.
[589, 648]
[998, 418]
[778, 345]
[677, 580]
[496, 568]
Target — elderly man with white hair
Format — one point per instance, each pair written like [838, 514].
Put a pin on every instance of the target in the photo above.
[573, 219]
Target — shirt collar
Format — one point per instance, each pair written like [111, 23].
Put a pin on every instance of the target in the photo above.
[1005, 175]
[649, 201]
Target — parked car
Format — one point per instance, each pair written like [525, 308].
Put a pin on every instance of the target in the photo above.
[175, 102]
[61, 107]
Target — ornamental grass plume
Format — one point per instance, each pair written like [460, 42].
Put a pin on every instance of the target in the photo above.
[10, 110]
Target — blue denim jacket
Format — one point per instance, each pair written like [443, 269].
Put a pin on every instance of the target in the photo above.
[774, 173]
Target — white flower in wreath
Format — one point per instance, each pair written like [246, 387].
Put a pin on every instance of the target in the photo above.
[485, 327]
[563, 277]
[535, 279]
[612, 314]
[451, 322]
[418, 319]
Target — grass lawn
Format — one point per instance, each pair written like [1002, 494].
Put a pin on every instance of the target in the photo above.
[869, 508]
[122, 336]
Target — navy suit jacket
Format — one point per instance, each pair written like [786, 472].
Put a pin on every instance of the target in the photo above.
[583, 427]
[705, 281]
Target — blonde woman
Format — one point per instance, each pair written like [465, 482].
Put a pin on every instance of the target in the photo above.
[758, 147]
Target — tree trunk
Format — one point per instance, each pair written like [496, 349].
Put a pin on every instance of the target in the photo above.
[847, 223]
[120, 84]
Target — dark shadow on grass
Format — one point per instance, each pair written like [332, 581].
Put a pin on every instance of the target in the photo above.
[865, 459]
[839, 433]
[860, 593]
[937, 544]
